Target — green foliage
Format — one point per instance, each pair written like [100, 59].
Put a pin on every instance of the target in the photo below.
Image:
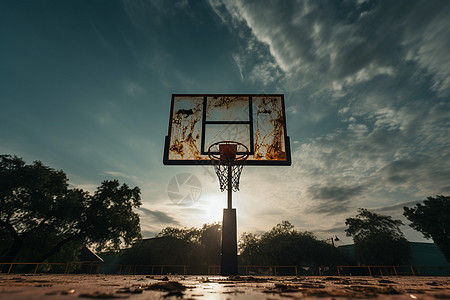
[378, 239]
[284, 245]
[432, 219]
[41, 217]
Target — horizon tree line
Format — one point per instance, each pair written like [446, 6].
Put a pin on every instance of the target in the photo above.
[42, 219]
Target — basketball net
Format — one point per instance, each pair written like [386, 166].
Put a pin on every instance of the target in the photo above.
[228, 159]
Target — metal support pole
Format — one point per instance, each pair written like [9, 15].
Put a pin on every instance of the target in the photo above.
[230, 187]
[229, 263]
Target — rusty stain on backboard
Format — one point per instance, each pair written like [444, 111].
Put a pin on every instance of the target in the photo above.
[185, 131]
[270, 119]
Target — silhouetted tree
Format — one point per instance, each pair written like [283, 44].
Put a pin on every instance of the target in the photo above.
[378, 239]
[249, 247]
[186, 234]
[284, 245]
[210, 241]
[40, 217]
[197, 247]
[432, 219]
[165, 250]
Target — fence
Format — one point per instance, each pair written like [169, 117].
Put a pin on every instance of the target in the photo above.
[93, 268]
[393, 271]
[261, 270]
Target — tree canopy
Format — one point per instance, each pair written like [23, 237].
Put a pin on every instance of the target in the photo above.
[432, 219]
[196, 247]
[378, 239]
[200, 248]
[284, 245]
[41, 218]
[206, 240]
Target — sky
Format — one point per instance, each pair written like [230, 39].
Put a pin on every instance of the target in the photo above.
[85, 87]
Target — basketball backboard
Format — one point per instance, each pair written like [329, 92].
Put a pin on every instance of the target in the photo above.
[200, 120]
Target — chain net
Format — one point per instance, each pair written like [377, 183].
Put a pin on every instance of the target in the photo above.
[228, 155]
[222, 173]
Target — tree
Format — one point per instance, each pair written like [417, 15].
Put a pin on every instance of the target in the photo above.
[197, 247]
[249, 248]
[210, 240]
[187, 234]
[209, 236]
[284, 245]
[378, 239]
[432, 219]
[40, 216]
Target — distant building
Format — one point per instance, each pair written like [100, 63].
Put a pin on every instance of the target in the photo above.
[427, 254]
[422, 255]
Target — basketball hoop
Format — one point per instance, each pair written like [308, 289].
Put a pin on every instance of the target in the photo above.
[228, 159]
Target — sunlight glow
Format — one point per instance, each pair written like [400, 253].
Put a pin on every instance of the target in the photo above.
[213, 205]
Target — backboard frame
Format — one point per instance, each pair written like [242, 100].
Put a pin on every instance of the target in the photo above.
[205, 122]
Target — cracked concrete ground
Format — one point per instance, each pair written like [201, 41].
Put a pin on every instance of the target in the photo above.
[136, 287]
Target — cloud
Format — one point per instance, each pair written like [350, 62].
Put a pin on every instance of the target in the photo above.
[337, 46]
[427, 45]
[119, 174]
[336, 193]
[158, 216]
[400, 171]
[333, 199]
[252, 56]
[133, 88]
[148, 233]
[365, 85]
[396, 207]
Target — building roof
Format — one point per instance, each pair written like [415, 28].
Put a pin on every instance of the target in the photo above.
[422, 254]
[87, 255]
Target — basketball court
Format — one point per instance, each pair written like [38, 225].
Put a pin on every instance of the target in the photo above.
[30, 287]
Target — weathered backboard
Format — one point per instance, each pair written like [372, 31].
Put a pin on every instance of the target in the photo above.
[197, 121]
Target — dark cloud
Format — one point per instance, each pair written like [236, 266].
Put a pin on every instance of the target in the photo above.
[400, 171]
[159, 216]
[335, 193]
[330, 208]
[333, 200]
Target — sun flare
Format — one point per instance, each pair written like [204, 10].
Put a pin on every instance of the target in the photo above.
[213, 207]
